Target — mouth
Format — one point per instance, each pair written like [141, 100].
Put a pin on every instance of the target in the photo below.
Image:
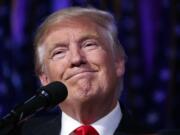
[80, 73]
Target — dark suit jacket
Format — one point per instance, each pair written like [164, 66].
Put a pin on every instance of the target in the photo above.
[51, 125]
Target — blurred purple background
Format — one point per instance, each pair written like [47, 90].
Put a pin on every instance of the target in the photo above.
[149, 31]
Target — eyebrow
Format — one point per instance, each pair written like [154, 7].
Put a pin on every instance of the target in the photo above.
[86, 37]
[80, 40]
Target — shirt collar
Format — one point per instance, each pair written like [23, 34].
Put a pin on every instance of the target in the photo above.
[105, 126]
[68, 124]
[108, 124]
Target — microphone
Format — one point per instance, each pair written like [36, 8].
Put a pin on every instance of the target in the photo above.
[47, 97]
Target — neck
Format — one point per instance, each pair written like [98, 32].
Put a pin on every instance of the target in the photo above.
[89, 113]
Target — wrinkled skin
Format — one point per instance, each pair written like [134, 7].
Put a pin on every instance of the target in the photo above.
[79, 54]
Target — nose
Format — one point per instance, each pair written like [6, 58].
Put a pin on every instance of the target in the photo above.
[77, 57]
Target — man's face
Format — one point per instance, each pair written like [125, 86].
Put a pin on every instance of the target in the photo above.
[79, 54]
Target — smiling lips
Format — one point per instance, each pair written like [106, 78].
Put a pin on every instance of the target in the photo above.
[78, 72]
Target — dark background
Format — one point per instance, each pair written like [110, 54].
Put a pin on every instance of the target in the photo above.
[149, 30]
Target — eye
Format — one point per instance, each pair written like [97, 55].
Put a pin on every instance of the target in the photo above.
[58, 54]
[90, 45]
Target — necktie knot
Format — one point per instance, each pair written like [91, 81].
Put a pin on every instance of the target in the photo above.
[85, 130]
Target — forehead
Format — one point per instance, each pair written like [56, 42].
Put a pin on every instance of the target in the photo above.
[74, 26]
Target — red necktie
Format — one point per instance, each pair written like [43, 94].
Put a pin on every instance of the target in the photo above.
[85, 130]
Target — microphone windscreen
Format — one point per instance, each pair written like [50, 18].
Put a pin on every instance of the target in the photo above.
[57, 92]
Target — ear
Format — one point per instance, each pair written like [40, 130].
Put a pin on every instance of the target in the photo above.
[120, 66]
[44, 79]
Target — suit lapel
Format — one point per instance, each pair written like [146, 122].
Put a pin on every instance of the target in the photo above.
[50, 125]
[123, 127]
[51, 128]
[120, 129]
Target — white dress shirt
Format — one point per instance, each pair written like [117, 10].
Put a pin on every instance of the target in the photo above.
[104, 126]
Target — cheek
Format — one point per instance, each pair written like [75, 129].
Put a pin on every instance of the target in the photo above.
[108, 68]
[105, 64]
[103, 60]
[55, 70]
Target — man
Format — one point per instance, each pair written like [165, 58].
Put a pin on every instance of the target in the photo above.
[80, 47]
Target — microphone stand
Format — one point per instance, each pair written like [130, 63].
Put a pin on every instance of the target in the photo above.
[48, 97]
[8, 123]
[20, 113]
